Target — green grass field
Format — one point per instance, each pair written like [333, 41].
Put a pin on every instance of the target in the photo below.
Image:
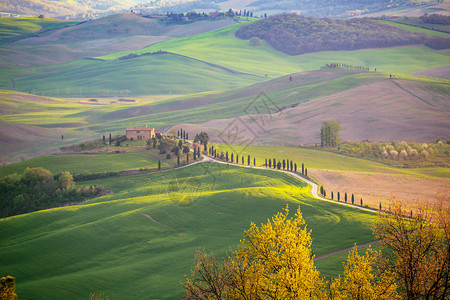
[141, 240]
[218, 46]
[204, 62]
[12, 29]
[155, 74]
[417, 29]
[323, 160]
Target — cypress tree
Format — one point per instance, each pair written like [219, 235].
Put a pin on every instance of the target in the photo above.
[306, 172]
[248, 160]
[178, 133]
[237, 158]
[295, 168]
[353, 199]
[226, 156]
[274, 163]
[324, 193]
[361, 202]
[187, 136]
[159, 164]
[321, 190]
[279, 165]
[178, 159]
[242, 158]
[303, 169]
[195, 154]
[332, 196]
[270, 163]
[104, 140]
[345, 197]
[380, 206]
[284, 164]
[339, 196]
[254, 162]
[265, 163]
[110, 139]
[232, 157]
[187, 157]
[291, 166]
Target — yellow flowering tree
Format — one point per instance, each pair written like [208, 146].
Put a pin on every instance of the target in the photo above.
[362, 279]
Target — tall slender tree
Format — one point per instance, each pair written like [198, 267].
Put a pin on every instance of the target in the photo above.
[295, 168]
[159, 164]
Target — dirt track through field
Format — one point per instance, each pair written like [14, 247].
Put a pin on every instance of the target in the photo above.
[345, 250]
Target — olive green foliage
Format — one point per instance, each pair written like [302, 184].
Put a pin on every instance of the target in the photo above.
[201, 138]
[294, 34]
[166, 145]
[38, 188]
[401, 154]
[329, 133]
[7, 287]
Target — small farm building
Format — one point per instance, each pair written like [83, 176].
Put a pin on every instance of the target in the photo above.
[140, 133]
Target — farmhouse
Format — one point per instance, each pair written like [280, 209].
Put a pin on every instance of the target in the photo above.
[140, 133]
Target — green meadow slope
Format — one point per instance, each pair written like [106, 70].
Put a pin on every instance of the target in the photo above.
[140, 241]
[12, 29]
[193, 61]
[102, 36]
[349, 95]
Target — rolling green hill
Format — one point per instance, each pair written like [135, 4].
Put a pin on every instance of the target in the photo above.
[139, 241]
[12, 29]
[33, 124]
[92, 38]
[204, 62]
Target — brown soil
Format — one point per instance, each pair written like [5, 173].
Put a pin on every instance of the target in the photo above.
[382, 111]
[439, 72]
[374, 188]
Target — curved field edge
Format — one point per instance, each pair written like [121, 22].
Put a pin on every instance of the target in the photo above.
[221, 45]
[145, 234]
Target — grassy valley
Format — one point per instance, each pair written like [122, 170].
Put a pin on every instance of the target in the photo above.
[66, 86]
[155, 229]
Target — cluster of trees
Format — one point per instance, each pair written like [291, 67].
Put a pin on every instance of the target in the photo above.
[294, 34]
[203, 139]
[275, 261]
[179, 6]
[335, 8]
[398, 153]
[38, 188]
[329, 133]
[435, 19]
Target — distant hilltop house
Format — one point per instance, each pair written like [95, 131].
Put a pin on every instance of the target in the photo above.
[140, 133]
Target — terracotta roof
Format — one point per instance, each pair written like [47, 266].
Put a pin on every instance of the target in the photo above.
[140, 128]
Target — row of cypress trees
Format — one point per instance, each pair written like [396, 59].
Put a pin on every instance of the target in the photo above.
[323, 192]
